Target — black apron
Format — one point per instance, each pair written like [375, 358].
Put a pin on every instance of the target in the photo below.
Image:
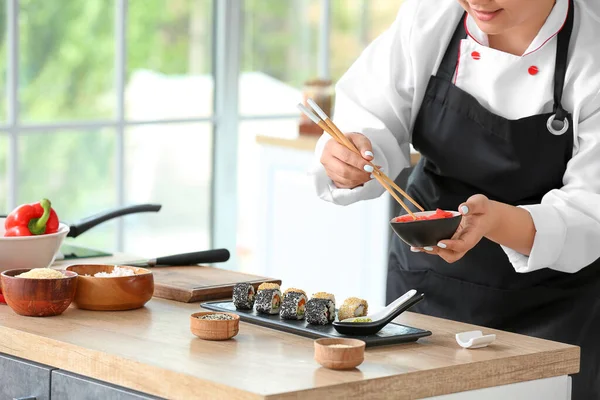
[467, 150]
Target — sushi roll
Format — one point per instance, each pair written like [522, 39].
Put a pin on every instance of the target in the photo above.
[268, 299]
[293, 305]
[243, 296]
[320, 309]
[353, 307]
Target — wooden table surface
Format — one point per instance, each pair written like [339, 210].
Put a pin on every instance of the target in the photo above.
[152, 350]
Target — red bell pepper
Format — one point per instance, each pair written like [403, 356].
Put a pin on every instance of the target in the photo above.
[32, 219]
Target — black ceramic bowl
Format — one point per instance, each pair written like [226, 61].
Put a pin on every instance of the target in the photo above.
[427, 232]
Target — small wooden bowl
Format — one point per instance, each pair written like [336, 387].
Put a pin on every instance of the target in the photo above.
[339, 357]
[119, 293]
[214, 329]
[38, 297]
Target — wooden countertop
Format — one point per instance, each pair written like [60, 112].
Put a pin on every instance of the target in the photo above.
[308, 143]
[152, 350]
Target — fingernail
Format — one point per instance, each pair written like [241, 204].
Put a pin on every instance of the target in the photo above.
[368, 153]
[441, 245]
[464, 210]
[428, 248]
[368, 168]
[414, 250]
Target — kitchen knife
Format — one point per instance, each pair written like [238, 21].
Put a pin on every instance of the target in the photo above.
[198, 257]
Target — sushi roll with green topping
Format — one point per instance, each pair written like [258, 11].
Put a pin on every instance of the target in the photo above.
[353, 307]
[320, 309]
[293, 305]
[268, 299]
[243, 296]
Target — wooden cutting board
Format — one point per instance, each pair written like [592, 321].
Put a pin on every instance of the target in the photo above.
[200, 283]
[185, 284]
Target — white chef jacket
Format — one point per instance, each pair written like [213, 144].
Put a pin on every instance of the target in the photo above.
[381, 94]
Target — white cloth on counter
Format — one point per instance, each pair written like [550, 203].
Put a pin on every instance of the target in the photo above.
[380, 96]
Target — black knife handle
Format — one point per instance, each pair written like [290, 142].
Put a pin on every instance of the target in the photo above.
[198, 257]
[86, 224]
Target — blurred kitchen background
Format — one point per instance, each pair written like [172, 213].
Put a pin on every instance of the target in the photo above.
[113, 102]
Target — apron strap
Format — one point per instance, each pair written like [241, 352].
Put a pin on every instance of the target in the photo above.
[562, 53]
[447, 68]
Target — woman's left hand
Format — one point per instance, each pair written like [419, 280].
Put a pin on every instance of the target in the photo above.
[477, 221]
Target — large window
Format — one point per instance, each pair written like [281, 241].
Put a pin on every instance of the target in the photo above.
[115, 102]
[110, 103]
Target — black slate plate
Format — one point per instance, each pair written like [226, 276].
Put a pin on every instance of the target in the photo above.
[391, 334]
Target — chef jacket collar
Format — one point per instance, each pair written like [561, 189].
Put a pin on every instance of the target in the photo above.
[551, 27]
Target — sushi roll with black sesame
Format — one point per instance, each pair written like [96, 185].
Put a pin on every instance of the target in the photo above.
[353, 307]
[320, 309]
[268, 299]
[243, 296]
[293, 305]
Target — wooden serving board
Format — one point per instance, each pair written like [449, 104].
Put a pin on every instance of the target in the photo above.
[200, 283]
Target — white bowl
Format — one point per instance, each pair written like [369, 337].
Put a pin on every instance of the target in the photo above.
[30, 251]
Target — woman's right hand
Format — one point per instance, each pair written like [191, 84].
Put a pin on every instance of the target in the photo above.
[347, 169]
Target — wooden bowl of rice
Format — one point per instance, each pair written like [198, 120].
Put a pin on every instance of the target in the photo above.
[112, 287]
[39, 292]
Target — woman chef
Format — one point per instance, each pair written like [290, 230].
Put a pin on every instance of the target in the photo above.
[502, 100]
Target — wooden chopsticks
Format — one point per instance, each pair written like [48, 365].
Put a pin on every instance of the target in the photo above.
[325, 123]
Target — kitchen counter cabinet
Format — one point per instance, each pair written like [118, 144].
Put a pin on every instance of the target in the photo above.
[68, 386]
[24, 380]
[151, 350]
[21, 379]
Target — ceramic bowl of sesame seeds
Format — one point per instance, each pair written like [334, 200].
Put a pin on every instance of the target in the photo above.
[339, 353]
[210, 325]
